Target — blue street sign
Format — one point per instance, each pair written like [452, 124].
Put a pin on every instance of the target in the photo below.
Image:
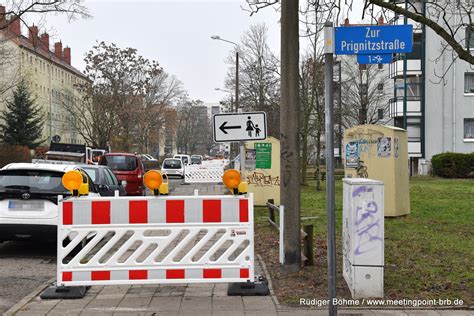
[374, 59]
[373, 39]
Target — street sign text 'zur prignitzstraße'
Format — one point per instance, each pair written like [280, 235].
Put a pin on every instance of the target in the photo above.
[373, 44]
[239, 127]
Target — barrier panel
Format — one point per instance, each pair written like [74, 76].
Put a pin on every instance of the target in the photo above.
[211, 173]
[155, 240]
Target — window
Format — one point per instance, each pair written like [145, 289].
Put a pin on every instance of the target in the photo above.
[469, 82]
[470, 37]
[469, 128]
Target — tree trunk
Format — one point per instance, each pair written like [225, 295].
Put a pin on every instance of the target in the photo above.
[289, 135]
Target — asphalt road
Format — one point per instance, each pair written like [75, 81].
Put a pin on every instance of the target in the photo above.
[25, 265]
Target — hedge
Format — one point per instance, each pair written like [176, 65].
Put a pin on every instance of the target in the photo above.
[453, 165]
[9, 154]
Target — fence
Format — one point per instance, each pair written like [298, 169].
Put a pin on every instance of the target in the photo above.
[209, 173]
[155, 240]
[307, 254]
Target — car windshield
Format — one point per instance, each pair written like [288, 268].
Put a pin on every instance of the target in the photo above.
[172, 164]
[121, 163]
[32, 180]
[185, 159]
[195, 159]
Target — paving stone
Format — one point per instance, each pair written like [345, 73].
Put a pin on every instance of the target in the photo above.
[165, 304]
[422, 312]
[96, 312]
[30, 313]
[114, 289]
[135, 302]
[228, 303]
[40, 306]
[359, 312]
[228, 313]
[104, 303]
[101, 296]
[195, 304]
[258, 303]
[71, 312]
[389, 312]
[198, 293]
[455, 312]
[72, 304]
[303, 313]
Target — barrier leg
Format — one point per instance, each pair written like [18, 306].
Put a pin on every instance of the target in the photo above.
[64, 292]
[257, 288]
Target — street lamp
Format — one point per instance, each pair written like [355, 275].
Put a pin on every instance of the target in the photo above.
[231, 148]
[236, 106]
[217, 37]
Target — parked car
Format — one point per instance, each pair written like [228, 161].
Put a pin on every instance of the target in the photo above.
[196, 159]
[184, 158]
[29, 199]
[105, 181]
[128, 167]
[147, 157]
[173, 167]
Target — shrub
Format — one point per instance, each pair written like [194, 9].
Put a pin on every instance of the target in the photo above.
[9, 154]
[453, 165]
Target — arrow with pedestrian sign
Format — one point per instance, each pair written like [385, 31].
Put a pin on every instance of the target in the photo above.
[239, 127]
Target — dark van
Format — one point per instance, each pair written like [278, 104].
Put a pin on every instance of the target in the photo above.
[128, 167]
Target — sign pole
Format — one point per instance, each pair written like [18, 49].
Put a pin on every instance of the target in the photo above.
[329, 124]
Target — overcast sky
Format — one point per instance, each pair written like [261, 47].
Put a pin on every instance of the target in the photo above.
[175, 33]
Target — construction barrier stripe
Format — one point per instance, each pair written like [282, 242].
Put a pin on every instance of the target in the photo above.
[155, 274]
[120, 211]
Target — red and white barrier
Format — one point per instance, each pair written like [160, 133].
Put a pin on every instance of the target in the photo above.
[153, 240]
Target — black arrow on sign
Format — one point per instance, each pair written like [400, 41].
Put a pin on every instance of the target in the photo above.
[224, 127]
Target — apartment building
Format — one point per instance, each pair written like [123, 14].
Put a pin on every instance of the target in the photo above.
[48, 71]
[433, 95]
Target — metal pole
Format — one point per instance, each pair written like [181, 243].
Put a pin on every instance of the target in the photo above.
[331, 222]
[236, 80]
[340, 113]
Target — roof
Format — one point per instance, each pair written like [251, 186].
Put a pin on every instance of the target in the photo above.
[24, 42]
[40, 166]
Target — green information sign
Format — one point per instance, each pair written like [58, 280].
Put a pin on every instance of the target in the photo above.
[264, 155]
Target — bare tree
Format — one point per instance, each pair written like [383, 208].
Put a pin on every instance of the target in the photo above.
[451, 20]
[259, 81]
[366, 92]
[20, 8]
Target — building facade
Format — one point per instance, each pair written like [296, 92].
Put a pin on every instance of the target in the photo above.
[49, 73]
[433, 96]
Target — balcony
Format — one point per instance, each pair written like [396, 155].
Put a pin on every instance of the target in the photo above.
[396, 106]
[414, 148]
[396, 68]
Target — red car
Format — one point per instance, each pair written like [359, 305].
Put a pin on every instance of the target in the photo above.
[128, 167]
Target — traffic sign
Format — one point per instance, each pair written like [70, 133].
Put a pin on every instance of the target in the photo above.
[239, 127]
[374, 59]
[373, 39]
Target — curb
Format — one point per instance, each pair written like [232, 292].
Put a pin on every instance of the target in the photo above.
[270, 283]
[28, 297]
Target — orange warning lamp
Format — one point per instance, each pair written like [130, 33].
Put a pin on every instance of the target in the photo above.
[231, 179]
[72, 181]
[153, 181]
